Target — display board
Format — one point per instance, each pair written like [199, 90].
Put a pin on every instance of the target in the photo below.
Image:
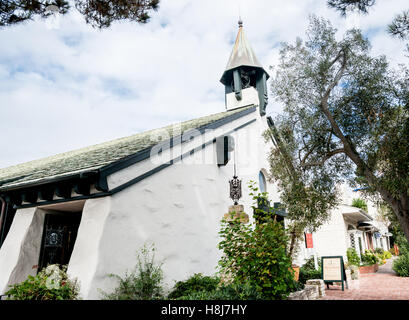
[333, 270]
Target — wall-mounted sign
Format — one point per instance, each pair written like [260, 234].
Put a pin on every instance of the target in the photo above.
[333, 270]
[308, 240]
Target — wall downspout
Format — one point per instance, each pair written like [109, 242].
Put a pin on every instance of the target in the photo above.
[3, 206]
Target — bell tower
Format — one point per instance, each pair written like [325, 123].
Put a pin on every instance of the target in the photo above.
[245, 80]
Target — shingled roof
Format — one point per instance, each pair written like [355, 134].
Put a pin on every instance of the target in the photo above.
[98, 156]
[242, 53]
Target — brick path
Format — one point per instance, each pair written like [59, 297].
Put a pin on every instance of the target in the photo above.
[382, 285]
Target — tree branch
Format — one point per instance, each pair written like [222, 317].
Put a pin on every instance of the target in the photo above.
[308, 153]
[274, 135]
[349, 148]
[326, 158]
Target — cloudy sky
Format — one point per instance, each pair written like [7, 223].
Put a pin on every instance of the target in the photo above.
[65, 85]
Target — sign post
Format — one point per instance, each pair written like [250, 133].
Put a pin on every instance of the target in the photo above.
[333, 270]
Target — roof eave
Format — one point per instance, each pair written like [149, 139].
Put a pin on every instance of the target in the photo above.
[48, 180]
[223, 78]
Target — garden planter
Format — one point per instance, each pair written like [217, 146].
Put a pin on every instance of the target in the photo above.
[296, 270]
[369, 269]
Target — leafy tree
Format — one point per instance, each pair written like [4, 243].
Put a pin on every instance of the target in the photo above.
[399, 27]
[97, 13]
[394, 227]
[344, 5]
[308, 195]
[346, 116]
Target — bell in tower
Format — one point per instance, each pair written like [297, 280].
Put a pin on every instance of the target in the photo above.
[245, 80]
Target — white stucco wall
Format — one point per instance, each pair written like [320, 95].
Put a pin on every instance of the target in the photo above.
[331, 238]
[178, 209]
[85, 256]
[20, 251]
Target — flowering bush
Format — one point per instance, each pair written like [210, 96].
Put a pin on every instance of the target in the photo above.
[383, 255]
[369, 258]
[387, 255]
[51, 283]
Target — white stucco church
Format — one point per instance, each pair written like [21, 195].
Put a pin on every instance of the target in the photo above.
[94, 208]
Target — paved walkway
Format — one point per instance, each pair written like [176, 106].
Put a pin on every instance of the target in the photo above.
[382, 285]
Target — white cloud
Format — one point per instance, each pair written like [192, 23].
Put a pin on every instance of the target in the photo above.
[70, 87]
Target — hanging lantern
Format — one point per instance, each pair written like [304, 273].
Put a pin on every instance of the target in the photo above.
[235, 189]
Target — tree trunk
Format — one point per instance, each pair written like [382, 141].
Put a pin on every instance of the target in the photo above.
[292, 244]
[399, 206]
[401, 210]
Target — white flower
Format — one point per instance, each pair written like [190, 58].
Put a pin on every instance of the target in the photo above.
[53, 274]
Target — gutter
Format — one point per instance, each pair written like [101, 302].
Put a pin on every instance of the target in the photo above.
[3, 207]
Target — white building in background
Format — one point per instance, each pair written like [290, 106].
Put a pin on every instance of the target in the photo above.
[348, 227]
[94, 208]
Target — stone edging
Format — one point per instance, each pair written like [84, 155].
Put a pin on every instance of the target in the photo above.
[313, 290]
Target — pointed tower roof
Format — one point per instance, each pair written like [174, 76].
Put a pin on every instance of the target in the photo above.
[242, 54]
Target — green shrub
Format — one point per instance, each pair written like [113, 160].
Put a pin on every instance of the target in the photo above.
[298, 285]
[402, 243]
[401, 265]
[369, 258]
[144, 283]
[392, 251]
[51, 283]
[308, 271]
[360, 203]
[310, 264]
[306, 274]
[353, 258]
[383, 255]
[195, 283]
[235, 291]
[257, 254]
[379, 251]
[387, 255]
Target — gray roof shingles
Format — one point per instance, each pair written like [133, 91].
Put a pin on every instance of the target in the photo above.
[94, 157]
